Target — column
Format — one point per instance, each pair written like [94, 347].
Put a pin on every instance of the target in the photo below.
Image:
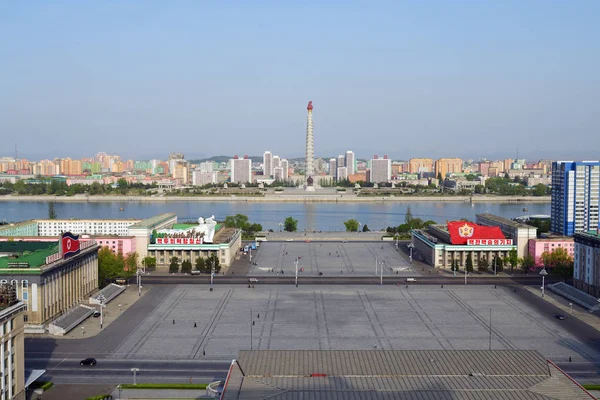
[10, 357]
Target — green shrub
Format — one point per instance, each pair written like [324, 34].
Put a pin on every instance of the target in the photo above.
[99, 397]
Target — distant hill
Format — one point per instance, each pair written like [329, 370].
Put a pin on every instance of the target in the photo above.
[224, 159]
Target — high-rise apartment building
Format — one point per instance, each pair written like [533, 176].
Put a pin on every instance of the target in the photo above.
[241, 170]
[381, 169]
[332, 167]
[207, 166]
[276, 163]
[445, 166]
[575, 195]
[350, 162]
[181, 172]
[285, 165]
[267, 164]
[201, 178]
[342, 173]
[174, 158]
[418, 165]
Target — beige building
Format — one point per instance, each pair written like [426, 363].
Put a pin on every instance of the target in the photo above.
[12, 362]
[241, 169]
[143, 230]
[518, 232]
[445, 166]
[46, 282]
[416, 165]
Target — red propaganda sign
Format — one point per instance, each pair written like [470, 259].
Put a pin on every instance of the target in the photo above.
[461, 232]
[489, 242]
[69, 245]
[178, 241]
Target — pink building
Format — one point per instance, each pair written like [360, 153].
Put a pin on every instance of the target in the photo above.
[538, 246]
[118, 244]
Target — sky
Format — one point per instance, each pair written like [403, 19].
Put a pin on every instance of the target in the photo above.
[408, 79]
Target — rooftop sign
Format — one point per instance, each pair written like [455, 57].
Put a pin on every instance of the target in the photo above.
[461, 232]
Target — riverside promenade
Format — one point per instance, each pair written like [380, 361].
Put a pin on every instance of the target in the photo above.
[293, 197]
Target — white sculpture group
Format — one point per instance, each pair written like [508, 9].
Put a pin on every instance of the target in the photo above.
[205, 229]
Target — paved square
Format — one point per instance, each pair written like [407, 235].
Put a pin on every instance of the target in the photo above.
[330, 258]
[343, 317]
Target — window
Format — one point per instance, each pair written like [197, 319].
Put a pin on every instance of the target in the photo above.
[25, 283]
[25, 296]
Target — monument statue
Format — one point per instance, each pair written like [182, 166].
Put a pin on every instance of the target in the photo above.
[207, 227]
[205, 230]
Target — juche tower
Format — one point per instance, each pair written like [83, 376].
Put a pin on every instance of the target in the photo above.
[310, 149]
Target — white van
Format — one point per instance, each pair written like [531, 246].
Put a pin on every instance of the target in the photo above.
[411, 279]
[253, 280]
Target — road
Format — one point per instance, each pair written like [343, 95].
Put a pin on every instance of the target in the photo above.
[115, 371]
[352, 280]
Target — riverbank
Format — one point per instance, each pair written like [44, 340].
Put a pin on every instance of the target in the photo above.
[287, 198]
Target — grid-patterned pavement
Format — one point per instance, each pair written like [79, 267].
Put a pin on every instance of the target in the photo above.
[356, 317]
[330, 258]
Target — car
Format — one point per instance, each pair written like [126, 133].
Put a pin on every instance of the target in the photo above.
[307, 241]
[253, 280]
[411, 279]
[96, 314]
[559, 317]
[344, 241]
[289, 240]
[88, 361]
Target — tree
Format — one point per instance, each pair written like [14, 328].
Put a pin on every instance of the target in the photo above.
[290, 224]
[149, 262]
[560, 261]
[200, 264]
[365, 228]
[439, 178]
[123, 186]
[239, 221]
[51, 212]
[539, 189]
[498, 264]
[408, 216]
[527, 262]
[455, 265]
[174, 266]
[131, 262]
[186, 267]
[469, 263]
[212, 263]
[512, 259]
[483, 264]
[351, 225]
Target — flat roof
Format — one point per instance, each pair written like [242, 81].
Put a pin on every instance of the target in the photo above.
[504, 221]
[17, 224]
[34, 253]
[394, 374]
[153, 221]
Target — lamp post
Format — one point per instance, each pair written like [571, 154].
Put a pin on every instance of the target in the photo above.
[102, 299]
[375, 265]
[280, 226]
[139, 283]
[381, 273]
[83, 330]
[410, 247]
[135, 371]
[296, 262]
[212, 274]
[495, 274]
[251, 324]
[543, 273]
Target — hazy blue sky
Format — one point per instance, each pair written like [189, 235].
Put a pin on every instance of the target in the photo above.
[424, 78]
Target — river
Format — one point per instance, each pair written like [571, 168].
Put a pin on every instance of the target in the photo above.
[310, 216]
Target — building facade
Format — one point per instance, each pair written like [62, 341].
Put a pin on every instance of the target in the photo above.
[538, 246]
[201, 178]
[342, 173]
[241, 170]
[445, 166]
[25, 228]
[419, 165]
[142, 230]
[333, 167]
[518, 232]
[267, 164]
[50, 280]
[12, 360]
[438, 245]
[55, 227]
[381, 169]
[586, 271]
[350, 162]
[575, 197]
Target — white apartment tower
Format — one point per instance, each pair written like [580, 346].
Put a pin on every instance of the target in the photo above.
[332, 167]
[350, 162]
[381, 169]
[241, 170]
[267, 164]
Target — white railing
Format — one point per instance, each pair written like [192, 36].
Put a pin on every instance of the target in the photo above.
[54, 257]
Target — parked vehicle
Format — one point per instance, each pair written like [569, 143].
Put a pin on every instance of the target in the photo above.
[559, 317]
[88, 361]
[253, 280]
[411, 279]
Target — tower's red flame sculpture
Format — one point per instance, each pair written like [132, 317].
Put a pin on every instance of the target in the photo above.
[310, 107]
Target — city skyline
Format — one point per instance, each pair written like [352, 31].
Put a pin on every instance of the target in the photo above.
[412, 81]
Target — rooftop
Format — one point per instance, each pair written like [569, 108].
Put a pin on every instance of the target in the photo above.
[16, 224]
[398, 374]
[33, 253]
[153, 221]
[504, 221]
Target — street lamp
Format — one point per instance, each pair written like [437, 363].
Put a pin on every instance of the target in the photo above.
[83, 330]
[543, 273]
[102, 299]
[139, 276]
[381, 272]
[296, 262]
[495, 266]
[280, 226]
[410, 247]
[135, 371]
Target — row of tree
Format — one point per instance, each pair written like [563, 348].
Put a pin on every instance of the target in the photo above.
[59, 187]
[206, 266]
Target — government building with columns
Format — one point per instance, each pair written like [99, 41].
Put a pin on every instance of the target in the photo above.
[440, 245]
[49, 277]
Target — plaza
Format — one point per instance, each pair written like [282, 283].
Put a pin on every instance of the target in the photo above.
[276, 317]
[330, 258]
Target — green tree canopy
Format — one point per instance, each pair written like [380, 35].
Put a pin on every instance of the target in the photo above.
[174, 265]
[290, 224]
[351, 225]
[186, 267]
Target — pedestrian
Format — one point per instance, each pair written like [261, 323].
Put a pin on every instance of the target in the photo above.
[195, 326]
[173, 322]
[203, 352]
